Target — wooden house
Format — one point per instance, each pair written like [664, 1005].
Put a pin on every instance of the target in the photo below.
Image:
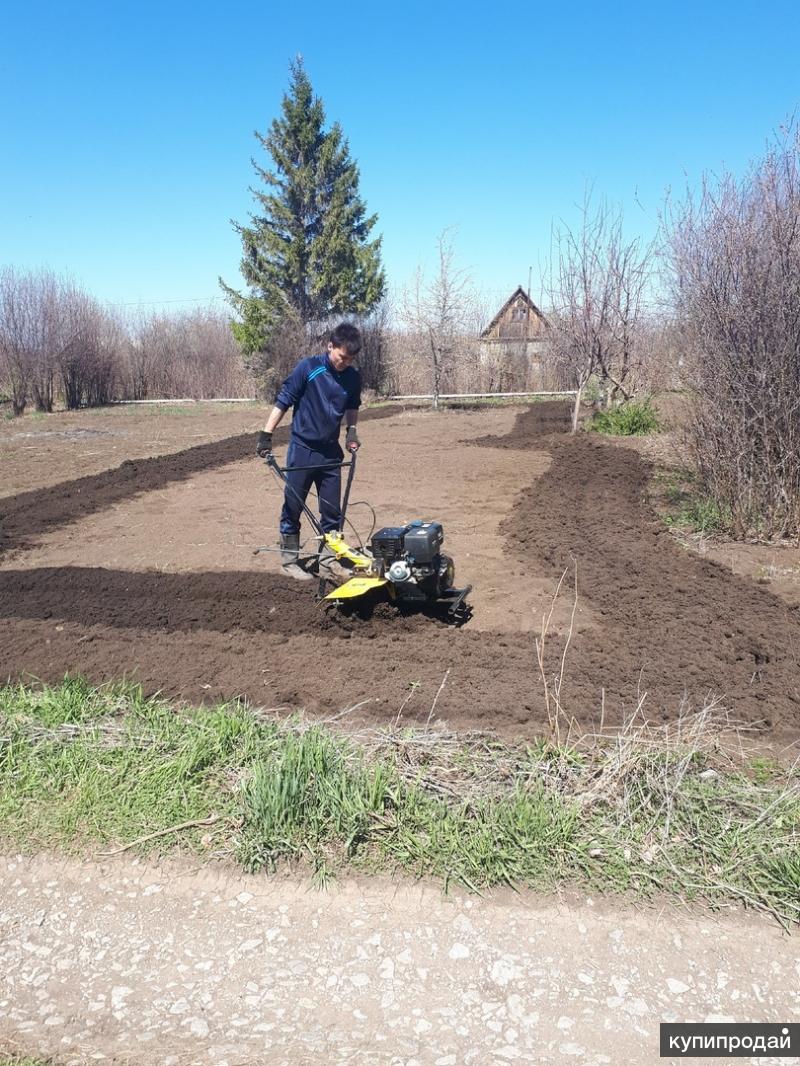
[516, 338]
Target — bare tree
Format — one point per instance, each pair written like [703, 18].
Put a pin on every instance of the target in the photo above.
[140, 356]
[46, 336]
[734, 253]
[47, 325]
[75, 356]
[30, 328]
[15, 329]
[596, 286]
[438, 314]
[106, 341]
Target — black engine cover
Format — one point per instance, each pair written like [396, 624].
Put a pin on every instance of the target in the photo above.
[387, 543]
[423, 542]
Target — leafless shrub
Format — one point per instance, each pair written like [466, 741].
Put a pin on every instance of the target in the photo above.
[501, 370]
[735, 268]
[596, 286]
[287, 343]
[407, 364]
[372, 362]
[210, 363]
[106, 342]
[150, 351]
[75, 356]
[191, 354]
[48, 334]
[473, 367]
[57, 342]
[88, 360]
[558, 718]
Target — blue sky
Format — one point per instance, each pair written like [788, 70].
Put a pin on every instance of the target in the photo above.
[127, 130]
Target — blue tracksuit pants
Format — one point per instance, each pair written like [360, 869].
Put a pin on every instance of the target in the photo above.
[328, 483]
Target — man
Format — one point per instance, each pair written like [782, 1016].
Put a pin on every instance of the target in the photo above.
[322, 389]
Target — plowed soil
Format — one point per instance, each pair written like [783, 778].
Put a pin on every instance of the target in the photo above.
[147, 571]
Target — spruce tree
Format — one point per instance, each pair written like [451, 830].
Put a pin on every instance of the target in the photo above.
[307, 253]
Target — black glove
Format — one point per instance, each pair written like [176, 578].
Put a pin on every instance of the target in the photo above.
[264, 446]
[351, 441]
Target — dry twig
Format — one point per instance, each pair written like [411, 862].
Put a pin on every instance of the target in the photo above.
[197, 823]
[436, 697]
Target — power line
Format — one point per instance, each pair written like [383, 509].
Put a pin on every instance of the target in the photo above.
[153, 303]
[396, 290]
[217, 299]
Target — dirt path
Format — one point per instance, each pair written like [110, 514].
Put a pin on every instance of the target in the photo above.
[39, 451]
[147, 571]
[128, 964]
[24, 517]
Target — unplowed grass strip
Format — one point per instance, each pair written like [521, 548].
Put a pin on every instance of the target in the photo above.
[93, 770]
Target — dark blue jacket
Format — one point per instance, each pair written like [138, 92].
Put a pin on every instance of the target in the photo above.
[320, 396]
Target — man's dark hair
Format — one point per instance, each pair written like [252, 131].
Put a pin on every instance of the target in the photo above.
[347, 336]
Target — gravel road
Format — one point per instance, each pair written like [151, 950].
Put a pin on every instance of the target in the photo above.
[120, 962]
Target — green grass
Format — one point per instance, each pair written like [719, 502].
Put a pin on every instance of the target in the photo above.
[636, 418]
[698, 514]
[764, 769]
[688, 507]
[80, 765]
[84, 769]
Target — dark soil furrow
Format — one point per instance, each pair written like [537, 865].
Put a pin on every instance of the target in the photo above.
[216, 601]
[672, 624]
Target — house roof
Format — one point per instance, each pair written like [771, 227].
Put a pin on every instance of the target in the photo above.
[519, 291]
